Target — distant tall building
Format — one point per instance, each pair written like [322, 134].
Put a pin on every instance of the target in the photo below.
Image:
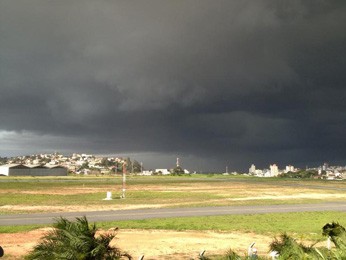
[319, 170]
[289, 168]
[177, 162]
[252, 169]
[274, 170]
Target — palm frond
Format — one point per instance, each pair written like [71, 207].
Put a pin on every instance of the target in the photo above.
[75, 240]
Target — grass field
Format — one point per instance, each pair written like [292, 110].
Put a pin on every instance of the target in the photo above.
[307, 225]
[82, 193]
[59, 194]
[36, 194]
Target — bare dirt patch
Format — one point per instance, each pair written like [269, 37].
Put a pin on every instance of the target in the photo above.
[60, 191]
[76, 208]
[154, 244]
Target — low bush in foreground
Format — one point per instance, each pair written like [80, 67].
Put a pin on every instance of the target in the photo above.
[285, 247]
[75, 241]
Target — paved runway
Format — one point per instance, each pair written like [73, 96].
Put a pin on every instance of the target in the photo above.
[137, 214]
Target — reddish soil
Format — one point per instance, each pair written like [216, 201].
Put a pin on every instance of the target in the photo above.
[153, 244]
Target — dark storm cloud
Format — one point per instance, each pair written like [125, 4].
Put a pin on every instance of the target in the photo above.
[234, 81]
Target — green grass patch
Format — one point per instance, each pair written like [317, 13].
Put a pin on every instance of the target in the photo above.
[17, 229]
[257, 202]
[132, 197]
[307, 225]
[218, 190]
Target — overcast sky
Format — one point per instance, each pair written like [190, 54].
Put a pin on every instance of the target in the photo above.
[215, 83]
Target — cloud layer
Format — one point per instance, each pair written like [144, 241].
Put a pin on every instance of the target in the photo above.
[236, 82]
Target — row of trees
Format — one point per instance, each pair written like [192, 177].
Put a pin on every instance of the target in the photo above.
[114, 166]
[132, 167]
[302, 174]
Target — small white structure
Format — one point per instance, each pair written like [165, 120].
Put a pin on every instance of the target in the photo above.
[259, 172]
[267, 173]
[163, 171]
[109, 196]
[149, 172]
[251, 251]
[274, 255]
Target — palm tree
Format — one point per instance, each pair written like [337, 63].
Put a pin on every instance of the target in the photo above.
[75, 241]
[288, 248]
[337, 234]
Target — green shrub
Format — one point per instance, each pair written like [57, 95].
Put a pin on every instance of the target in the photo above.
[75, 241]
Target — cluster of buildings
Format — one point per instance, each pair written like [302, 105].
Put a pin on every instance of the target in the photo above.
[325, 171]
[176, 170]
[332, 172]
[273, 170]
[161, 172]
[58, 165]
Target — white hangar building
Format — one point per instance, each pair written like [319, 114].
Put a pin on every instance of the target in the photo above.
[32, 170]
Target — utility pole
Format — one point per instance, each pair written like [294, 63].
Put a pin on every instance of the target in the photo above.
[124, 181]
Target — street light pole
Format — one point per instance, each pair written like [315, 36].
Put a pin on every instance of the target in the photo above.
[124, 181]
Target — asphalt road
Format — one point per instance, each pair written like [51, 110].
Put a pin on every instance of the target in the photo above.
[137, 214]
